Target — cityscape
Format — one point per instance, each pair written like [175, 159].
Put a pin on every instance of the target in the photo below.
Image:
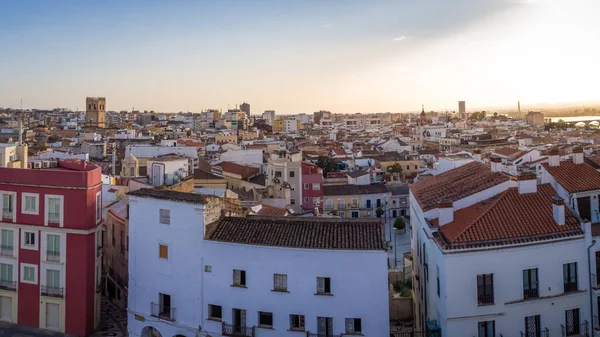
[299, 186]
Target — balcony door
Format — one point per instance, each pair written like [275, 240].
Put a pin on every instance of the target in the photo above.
[325, 326]
[239, 319]
[532, 326]
[52, 316]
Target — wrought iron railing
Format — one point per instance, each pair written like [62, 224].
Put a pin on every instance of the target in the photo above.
[541, 333]
[53, 217]
[7, 213]
[52, 291]
[6, 250]
[485, 294]
[580, 329]
[8, 285]
[162, 311]
[237, 330]
[570, 285]
[52, 255]
[531, 293]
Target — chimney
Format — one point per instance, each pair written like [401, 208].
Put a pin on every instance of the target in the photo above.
[554, 157]
[446, 212]
[578, 155]
[496, 164]
[558, 210]
[477, 155]
[527, 183]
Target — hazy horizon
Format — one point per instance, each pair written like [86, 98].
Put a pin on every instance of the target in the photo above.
[299, 56]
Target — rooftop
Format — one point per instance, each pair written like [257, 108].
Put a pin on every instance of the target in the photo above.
[575, 177]
[506, 151]
[243, 171]
[509, 217]
[455, 184]
[310, 232]
[354, 189]
[169, 195]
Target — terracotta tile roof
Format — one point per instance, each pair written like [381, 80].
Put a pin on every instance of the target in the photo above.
[575, 178]
[509, 216]
[455, 184]
[267, 210]
[244, 171]
[506, 151]
[294, 232]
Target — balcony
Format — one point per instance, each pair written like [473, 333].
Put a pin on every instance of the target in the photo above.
[53, 256]
[163, 312]
[6, 250]
[539, 333]
[8, 285]
[531, 293]
[485, 295]
[575, 330]
[237, 330]
[52, 291]
[570, 285]
[53, 217]
[7, 213]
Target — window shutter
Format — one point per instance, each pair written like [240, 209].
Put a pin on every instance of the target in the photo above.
[236, 277]
[322, 325]
[284, 277]
[292, 322]
[243, 277]
[243, 317]
[320, 285]
[349, 325]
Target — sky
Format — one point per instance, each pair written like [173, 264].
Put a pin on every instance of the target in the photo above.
[296, 56]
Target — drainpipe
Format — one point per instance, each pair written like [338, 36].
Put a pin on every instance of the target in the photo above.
[590, 286]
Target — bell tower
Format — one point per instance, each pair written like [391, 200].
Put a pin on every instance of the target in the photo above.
[95, 111]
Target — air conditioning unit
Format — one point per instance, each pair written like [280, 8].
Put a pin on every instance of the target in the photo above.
[45, 164]
[14, 157]
[29, 165]
[37, 165]
[53, 163]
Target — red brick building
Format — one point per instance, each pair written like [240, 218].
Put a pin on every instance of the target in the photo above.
[50, 259]
[312, 186]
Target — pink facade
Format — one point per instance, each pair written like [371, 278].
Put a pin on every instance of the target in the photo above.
[312, 186]
[50, 232]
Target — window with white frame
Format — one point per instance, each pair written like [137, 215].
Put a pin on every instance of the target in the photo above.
[98, 206]
[329, 204]
[306, 186]
[323, 285]
[353, 326]
[7, 246]
[29, 273]
[280, 282]
[6, 274]
[53, 247]
[306, 200]
[53, 209]
[29, 240]
[315, 201]
[165, 216]
[297, 322]
[30, 203]
[8, 203]
[316, 187]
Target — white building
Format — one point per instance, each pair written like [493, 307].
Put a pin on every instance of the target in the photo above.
[497, 257]
[269, 116]
[151, 151]
[191, 276]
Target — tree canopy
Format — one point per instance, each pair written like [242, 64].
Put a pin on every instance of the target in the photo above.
[327, 164]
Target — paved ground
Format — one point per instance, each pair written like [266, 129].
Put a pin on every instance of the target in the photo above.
[113, 323]
[399, 242]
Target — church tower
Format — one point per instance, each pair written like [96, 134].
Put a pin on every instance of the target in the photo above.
[95, 111]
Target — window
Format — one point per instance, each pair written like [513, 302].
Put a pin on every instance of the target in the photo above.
[353, 325]
[164, 308]
[328, 204]
[355, 214]
[341, 214]
[292, 201]
[53, 210]
[378, 202]
[7, 242]
[112, 235]
[485, 289]
[165, 216]
[29, 274]
[29, 203]
[239, 278]
[277, 174]
[6, 275]
[416, 167]
[437, 276]
[215, 312]
[354, 203]
[532, 326]
[316, 187]
[341, 204]
[52, 278]
[292, 174]
[29, 240]
[280, 282]
[315, 201]
[98, 207]
[369, 203]
[323, 285]
[53, 247]
[530, 283]
[306, 186]
[572, 322]
[265, 319]
[122, 237]
[163, 251]
[570, 276]
[306, 200]
[297, 322]
[487, 329]
[7, 205]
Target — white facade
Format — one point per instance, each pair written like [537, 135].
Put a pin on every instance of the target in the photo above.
[199, 273]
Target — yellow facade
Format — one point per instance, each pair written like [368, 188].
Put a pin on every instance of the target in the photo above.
[233, 139]
[345, 205]
[278, 125]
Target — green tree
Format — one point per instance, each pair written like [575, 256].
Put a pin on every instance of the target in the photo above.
[395, 171]
[399, 223]
[379, 212]
[327, 165]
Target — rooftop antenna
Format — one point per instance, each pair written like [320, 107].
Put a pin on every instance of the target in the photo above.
[21, 104]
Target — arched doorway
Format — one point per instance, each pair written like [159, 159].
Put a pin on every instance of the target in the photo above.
[150, 332]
